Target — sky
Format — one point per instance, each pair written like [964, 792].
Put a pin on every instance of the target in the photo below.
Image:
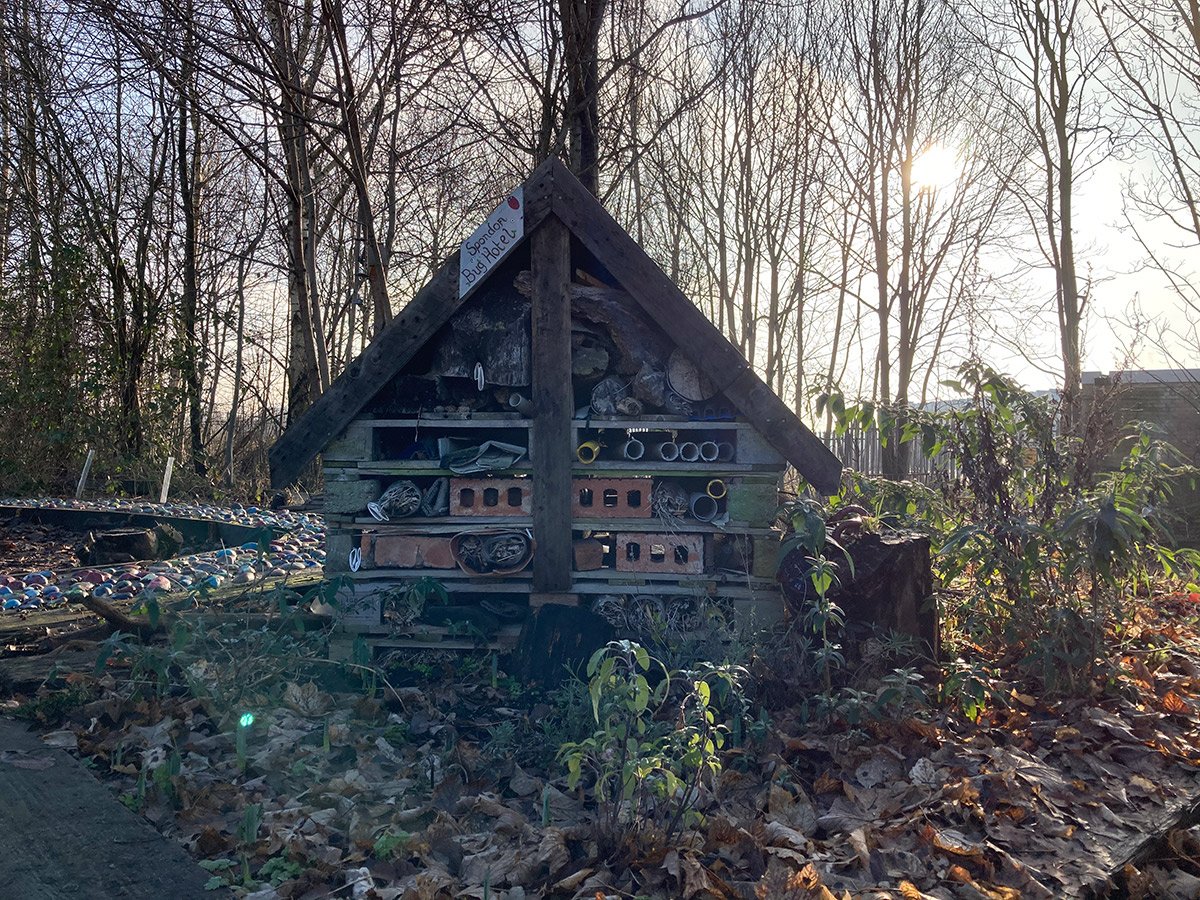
[1122, 288]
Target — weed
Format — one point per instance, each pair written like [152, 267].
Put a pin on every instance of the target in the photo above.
[279, 869]
[502, 740]
[52, 707]
[654, 744]
[391, 844]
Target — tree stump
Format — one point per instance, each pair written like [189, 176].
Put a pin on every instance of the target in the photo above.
[891, 588]
[557, 641]
[122, 545]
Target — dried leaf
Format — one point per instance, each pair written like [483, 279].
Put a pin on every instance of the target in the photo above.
[950, 841]
[695, 878]
[827, 783]
[793, 810]
[571, 882]
[1175, 704]
[307, 700]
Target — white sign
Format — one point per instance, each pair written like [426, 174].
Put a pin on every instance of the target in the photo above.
[491, 241]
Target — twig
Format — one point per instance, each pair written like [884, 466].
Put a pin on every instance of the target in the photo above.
[135, 624]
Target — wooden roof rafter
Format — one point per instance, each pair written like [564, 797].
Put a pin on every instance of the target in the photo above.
[552, 190]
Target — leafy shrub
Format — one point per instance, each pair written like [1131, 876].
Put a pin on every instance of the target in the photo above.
[1041, 544]
[655, 745]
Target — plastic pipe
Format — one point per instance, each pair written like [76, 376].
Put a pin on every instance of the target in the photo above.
[689, 451]
[633, 449]
[703, 507]
[521, 404]
[587, 452]
[724, 451]
[716, 489]
[667, 451]
[709, 451]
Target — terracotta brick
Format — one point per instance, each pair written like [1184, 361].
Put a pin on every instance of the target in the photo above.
[681, 554]
[475, 497]
[611, 498]
[412, 551]
[436, 553]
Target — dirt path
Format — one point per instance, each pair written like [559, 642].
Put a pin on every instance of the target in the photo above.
[65, 836]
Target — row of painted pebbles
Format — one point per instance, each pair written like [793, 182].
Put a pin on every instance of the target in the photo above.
[301, 549]
[235, 513]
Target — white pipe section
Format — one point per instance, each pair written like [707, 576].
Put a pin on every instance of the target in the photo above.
[716, 489]
[633, 449]
[709, 451]
[689, 451]
[724, 451]
[521, 404]
[703, 507]
[667, 451]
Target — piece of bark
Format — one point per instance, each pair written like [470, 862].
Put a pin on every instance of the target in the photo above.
[637, 339]
[493, 331]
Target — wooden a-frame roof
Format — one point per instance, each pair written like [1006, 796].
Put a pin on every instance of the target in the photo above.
[551, 190]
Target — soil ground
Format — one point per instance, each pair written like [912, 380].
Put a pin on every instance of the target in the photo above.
[28, 547]
[66, 836]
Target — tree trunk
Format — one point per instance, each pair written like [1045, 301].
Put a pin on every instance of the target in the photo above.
[581, 21]
[188, 161]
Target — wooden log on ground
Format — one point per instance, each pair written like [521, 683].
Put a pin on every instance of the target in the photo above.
[121, 545]
[556, 641]
[891, 587]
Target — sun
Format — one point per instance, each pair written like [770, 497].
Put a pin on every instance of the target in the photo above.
[935, 167]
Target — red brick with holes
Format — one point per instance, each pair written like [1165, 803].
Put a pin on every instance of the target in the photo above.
[610, 498]
[674, 554]
[491, 496]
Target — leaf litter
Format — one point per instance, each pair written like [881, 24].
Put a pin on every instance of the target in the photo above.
[449, 788]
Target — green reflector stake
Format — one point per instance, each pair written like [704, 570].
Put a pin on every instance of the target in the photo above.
[246, 720]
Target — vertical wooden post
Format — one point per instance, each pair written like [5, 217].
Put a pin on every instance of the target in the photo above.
[166, 480]
[83, 476]
[553, 401]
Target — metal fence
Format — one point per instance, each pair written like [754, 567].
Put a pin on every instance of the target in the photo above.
[861, 450]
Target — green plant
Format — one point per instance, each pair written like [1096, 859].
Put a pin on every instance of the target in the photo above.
[656, 741]
[247, 836]
[164, 777]
[390, 844]
[900, 691]
[966, 686]
[1048, 550]
[217, 882]
[279, 869]
[822, 617]
[502, 739]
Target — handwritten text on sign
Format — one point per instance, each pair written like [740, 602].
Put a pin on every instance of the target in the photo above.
[491, 241]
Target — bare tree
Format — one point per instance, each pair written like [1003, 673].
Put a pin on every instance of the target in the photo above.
[1155, 61]
[1047, 56]
[910, 99]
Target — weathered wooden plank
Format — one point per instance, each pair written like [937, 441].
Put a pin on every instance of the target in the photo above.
[353, 444]
[779, 425]
[552, 396]
[428, 311]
